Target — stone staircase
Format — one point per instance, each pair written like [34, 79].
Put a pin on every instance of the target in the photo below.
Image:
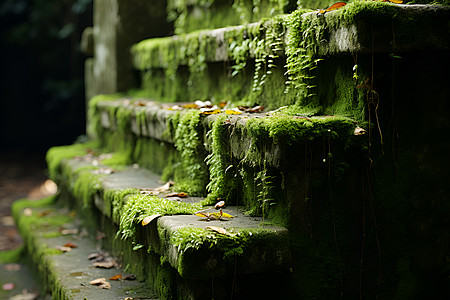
[323, 133]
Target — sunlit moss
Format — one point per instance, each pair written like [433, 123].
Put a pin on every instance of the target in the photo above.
[138, 206]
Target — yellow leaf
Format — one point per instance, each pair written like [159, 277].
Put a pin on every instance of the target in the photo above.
[232, 112]
[148, 219]
[190, 105]
[210, 111]
[225, 215]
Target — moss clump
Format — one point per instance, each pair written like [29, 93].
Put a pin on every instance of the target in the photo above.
[137, 207]
[189, 142]
[12, 256]
[222, 182]
[236, 242]
[116, 199]
[56, 155]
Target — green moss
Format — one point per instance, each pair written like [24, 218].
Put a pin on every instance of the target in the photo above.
[237, 242]
[12, 256]
[189, 142]
[34, 227]
[94, 123]
[116, 200]
[221, 182]
[138, 206]
[194, 15]
[85, 185]
[56, 155]
[118, 159]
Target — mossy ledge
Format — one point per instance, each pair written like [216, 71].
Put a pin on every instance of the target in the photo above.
[62, 275]
[273, 62]
[118, 202]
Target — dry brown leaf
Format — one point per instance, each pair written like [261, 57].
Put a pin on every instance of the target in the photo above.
[68, 231]
[155, 191]
[104, 264]
[129, 277]
[70, 245]
[43, 213]
[359, 131]
[177, 194]
[64, 249]
[217, 229]
[148, 219]
[256, 109]
[116, 277]
[101, 282]
[97, 281]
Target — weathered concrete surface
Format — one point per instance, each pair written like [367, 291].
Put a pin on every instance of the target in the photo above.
[67, 275]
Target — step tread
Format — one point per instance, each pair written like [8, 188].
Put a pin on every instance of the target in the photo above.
[348, 31]
[264, 240]
[69, 273]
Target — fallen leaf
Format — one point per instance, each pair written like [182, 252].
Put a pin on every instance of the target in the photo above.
[155, 191]
[8, 286]
[213, 216]
[219, 204]
[12, 267]
[25, 295]
[232, 112]
[359, 131]
[104, 264]
[190, 105]
[177, 194]
[225, 215]
[256, 109]
[148, 219]
[116, 277]
[70, 245]
[332, 7]
[208, 111]
[64, 249]
[97, 281]
[218, 229]
[43, 213]
[68, 231]
[206, 103]
[101, 282]
[129, 277]
[395, 1]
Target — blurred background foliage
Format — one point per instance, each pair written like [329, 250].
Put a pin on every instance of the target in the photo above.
[41, 88]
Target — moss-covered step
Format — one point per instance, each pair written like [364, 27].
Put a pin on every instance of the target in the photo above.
[242, 157]
[163, 234]
[192, 15]
[279, 61]
[58, 248]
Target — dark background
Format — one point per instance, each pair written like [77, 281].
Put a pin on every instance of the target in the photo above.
[42, 101]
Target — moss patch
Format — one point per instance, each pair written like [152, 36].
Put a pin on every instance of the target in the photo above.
[137, 207]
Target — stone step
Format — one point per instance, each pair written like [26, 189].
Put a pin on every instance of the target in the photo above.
[239, 156]
[194, 15]
[283, 60]
[177, 252]
[58, 247]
